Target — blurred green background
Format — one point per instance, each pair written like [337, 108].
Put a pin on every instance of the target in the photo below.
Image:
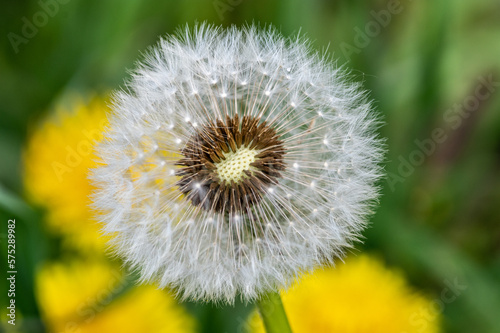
[433, 70]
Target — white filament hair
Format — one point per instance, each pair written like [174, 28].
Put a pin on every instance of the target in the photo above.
[309, 219]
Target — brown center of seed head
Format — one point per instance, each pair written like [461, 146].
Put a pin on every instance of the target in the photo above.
[228, 166]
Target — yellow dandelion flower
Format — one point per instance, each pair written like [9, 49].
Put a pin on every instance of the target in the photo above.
[57, 159]
[359, 296]
[85, 297]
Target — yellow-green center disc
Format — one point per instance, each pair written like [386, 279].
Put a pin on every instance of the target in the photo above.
[233, 167]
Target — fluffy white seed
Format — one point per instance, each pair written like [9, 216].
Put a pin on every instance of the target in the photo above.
[306, 220]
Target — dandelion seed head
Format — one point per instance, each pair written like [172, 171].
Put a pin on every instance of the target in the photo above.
[238, 190]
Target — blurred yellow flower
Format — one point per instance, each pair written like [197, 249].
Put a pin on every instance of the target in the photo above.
[359, 296]
[57, 160]
[86, 297]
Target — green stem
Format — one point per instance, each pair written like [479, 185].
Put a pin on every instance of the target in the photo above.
[273, 314]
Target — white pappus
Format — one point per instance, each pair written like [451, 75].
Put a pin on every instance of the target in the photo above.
[235, 160]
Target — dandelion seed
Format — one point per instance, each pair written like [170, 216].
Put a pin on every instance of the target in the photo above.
[235, 215]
